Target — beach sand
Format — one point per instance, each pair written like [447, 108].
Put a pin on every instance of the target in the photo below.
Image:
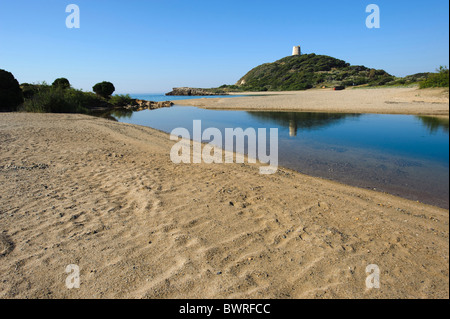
[357, 100]
[105, 196]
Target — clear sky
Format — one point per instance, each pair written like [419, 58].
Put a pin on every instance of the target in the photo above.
[150, 46]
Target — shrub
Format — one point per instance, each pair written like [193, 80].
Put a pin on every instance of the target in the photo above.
[440, 79]
[28, 90]
[62, 83]
[418, 77]
[11, 95]
[104, 89]
[122, 100]
[382, 81]
[58, 100]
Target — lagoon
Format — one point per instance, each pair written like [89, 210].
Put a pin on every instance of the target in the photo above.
[402, 155]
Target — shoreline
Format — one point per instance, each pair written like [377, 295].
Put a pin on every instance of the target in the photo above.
[410, 194]
[104, 195]
[407, 101]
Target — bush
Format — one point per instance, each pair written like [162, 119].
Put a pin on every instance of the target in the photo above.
[440, 79]
[122, 100]
[104, 89]
[11, 95]
[61, 83]
[58, 100]
[28, 90]
[382, 81]
[415, 78]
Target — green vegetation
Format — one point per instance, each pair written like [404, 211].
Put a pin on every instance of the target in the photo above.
[122, 100]
[314, 71]
[407, 81]
[61, 98]
[104, 89]
[29, 90]
[439, 79]
[308, 71]
[11, 95]
[61, 83]
[50, 99]
[58, 97]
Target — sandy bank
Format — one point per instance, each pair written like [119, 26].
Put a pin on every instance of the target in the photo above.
[105, 196]
[378, 100]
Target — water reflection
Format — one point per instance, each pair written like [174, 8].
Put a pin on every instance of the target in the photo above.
[401, 154]
[115, 115]
[293, 128]
[304, 121]
[121, 114]
[433, 124]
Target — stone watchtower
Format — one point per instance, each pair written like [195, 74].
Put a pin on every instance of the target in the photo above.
[296, 50]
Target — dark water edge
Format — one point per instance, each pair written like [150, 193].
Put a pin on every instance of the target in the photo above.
[406, 156]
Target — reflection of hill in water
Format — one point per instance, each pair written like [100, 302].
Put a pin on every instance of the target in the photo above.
[433, 124]
[301, 120]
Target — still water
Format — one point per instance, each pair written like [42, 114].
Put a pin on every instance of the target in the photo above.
[400, 154]
[159, 97]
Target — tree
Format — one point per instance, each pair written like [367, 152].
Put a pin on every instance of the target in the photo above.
[11, 95]
[62, 83]
[104, 89]
[28, 90]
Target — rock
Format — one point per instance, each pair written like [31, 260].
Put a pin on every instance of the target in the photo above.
[141, 105]
[164, 104]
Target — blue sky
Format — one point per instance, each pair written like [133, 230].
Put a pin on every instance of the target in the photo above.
[149, 46]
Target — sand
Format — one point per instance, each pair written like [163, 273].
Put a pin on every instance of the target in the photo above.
[105, 196]
[358, 100]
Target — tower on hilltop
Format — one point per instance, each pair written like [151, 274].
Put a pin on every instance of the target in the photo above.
[296, 50]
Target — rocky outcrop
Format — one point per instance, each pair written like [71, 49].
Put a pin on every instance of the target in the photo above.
[185, 91]
[141, 105]
[134, 106]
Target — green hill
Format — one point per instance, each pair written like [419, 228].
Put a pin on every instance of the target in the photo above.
[308, 71]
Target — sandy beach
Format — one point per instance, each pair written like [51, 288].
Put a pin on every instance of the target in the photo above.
[358, 100]
[105, 196]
